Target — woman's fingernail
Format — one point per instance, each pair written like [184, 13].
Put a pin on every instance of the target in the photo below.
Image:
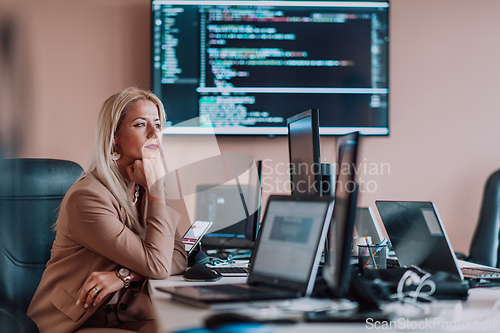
[86, 306]
[77, 302]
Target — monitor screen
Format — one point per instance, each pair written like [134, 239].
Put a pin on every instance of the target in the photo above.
[240, 67]
[337, 266]
[304, 152]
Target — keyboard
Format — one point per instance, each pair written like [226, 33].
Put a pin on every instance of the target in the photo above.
[232, 271]
[481, 272]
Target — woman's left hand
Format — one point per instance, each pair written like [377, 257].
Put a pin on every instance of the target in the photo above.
[97, 287]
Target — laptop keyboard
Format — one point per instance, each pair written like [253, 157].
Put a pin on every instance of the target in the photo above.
[231, 270]
[479, 272]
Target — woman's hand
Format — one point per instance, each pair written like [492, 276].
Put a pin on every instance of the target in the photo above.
[137, 174]
[155, 177]
[97, 287]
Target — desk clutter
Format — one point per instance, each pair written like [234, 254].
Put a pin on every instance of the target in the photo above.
[376, 293]
[320, 258]
[397, 296]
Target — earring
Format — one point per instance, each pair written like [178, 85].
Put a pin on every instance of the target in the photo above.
[115, 156]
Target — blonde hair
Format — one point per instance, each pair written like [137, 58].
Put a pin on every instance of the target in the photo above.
[102, 166]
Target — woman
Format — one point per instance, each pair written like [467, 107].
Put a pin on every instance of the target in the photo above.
[115, 230]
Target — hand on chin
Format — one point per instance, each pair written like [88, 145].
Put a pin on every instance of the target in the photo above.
[155, 176]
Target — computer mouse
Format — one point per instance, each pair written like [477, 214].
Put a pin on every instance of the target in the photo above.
[201, 272]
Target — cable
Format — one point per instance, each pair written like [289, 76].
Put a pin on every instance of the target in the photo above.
[408, 304]
[419, 314]
[423, 283]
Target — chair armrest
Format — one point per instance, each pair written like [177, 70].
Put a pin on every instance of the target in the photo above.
[15, 321]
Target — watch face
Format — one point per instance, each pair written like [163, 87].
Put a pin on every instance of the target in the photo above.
[123, 272]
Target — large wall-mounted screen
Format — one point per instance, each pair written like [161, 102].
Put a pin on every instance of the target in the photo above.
[244, 67]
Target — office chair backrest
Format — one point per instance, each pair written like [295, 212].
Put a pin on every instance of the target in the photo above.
[31, 191]
[485, 246]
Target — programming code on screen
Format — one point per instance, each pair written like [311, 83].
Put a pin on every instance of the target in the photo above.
[247, 68]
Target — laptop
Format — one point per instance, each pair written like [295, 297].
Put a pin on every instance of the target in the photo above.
[286, 255]
[366, 226]
[233, 269]
[419, 239]
[223, 206]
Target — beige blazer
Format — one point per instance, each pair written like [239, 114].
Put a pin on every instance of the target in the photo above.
[91, 237]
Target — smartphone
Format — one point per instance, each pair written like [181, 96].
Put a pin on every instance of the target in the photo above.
[194, 234]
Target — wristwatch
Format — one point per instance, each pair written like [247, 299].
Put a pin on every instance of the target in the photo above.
[124, 274]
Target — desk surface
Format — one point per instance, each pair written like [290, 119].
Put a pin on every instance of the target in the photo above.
[474, 315]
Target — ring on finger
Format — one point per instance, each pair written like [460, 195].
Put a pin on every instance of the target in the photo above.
[96, 289]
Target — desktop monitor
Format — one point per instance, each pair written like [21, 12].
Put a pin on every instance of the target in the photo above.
[254, 204]
[304, 153]
[242, 67]
[337, 264]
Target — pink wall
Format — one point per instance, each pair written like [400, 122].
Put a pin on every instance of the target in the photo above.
[443, 85]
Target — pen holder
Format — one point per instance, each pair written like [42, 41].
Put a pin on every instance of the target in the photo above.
[367, 254]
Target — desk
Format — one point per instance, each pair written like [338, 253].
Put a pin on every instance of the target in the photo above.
[173, 315]
[474, 314]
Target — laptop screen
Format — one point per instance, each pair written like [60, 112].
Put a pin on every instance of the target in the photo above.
[417, 235]
[289, 239]
[366, 226]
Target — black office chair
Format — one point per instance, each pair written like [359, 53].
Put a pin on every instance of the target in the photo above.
[31, 191]
[485, 246]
